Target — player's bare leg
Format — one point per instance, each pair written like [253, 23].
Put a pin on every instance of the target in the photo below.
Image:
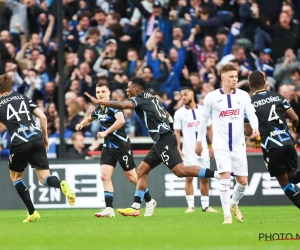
[106, 174]
[141, 186]
[189, 191]
[49, 180]
[23, 192]
[204, 189]
[238, 192]
[225, 196]
[194, 171]
[150, 203]
[289, 189]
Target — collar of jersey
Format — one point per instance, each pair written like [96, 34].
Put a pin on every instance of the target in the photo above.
[221, 90]
[260, 90]
[192, 109]
[6, 95]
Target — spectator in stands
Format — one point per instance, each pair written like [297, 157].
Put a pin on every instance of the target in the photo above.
[74, 116]
[67, 132]
[79, 150]
[285, 35]
[283, 68]
[295, 76]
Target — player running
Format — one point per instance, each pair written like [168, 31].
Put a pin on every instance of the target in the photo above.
[153, 115]
[187, 120]
[226, 107]
[116, 148]
[28, 144]
[277, 144]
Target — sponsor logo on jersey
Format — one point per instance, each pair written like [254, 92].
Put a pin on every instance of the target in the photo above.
[265, 101]
[229, 112]
[102, 117]
[277, 132]
[193, 124]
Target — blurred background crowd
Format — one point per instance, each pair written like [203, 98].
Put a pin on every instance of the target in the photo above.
[170, 43]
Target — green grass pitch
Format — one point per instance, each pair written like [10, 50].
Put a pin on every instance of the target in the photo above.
[169, 228]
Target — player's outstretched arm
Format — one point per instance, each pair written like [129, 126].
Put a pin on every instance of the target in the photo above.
[85, 122]
[120, 121]
[112, 104]
[43, 121]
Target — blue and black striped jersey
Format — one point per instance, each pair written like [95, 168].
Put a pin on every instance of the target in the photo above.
[16, 114]
[270, 110]
[107, 117]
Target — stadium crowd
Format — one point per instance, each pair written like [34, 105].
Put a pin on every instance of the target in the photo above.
[170, 43]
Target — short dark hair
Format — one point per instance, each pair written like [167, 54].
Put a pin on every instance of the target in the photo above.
[228, 67]
[94, 31]
[256, 79]
[102, 84]
[99, 10]
[148, 67]
[5, 83]
[102, 78]
[138, 81]
[187, 88]
[294, 71]
[236, 61]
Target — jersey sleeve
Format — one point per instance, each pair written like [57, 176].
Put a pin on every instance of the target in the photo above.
[246, 120]
[209, 122]
[137, 101]
[177, 121]
[30, 103]
[286, 104]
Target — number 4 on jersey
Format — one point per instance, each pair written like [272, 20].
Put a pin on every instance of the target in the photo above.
[273, 115]
[11, 112]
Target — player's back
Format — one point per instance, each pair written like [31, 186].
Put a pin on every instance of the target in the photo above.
[270, 110]
[151, 113]
[16, 115]
[107, 117]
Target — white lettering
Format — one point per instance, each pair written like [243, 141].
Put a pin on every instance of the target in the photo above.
[148, 95]
[43, 196]
[266, 100]
[55, 194]
[277, 132]
[174, 186]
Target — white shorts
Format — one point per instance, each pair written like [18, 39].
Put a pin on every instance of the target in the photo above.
[192, 160]
[235, 162]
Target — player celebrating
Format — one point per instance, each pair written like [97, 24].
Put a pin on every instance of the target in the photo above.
[153, 115]
[187, 120]
[28, 144]
[277, 144]
[116, 148]
[226, 107]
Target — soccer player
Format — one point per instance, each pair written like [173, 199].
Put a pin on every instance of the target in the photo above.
[29, 143]
[277, 144]
[187, 120]
[226, 107]
[116, 148]
[153, 115]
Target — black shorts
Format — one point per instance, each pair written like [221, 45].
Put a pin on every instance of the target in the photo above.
[164, 150]
[280, 160]
[123, 155]
[32, 152]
